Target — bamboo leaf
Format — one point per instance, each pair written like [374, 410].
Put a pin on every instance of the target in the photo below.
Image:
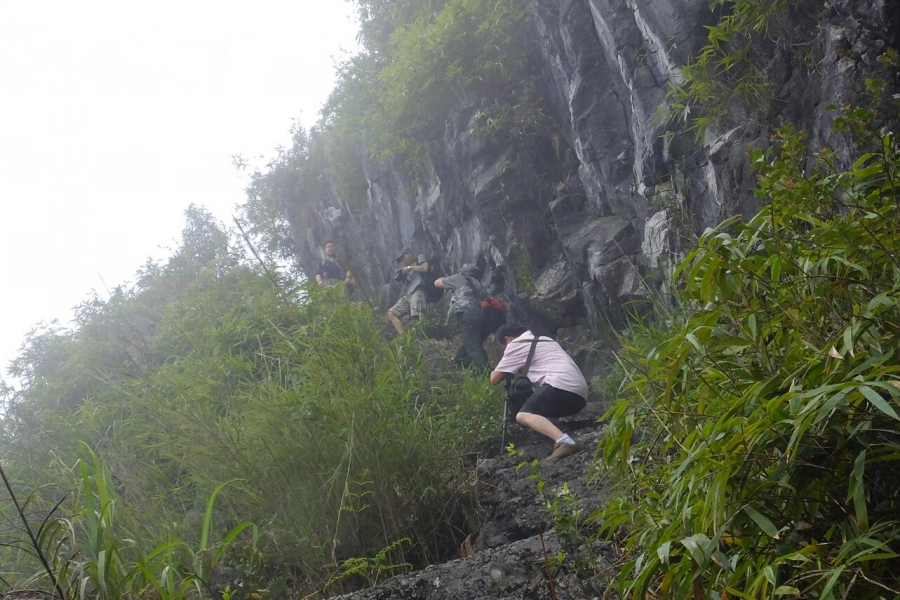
[832, 580]
[858, 491]
[878, 402]
[763, 521]
[786, 590]
[697, 546]
[663, 552]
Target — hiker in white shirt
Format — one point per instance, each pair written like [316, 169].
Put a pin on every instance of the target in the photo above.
[561, 389]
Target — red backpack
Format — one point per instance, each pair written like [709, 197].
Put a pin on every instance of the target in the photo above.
[493, 314]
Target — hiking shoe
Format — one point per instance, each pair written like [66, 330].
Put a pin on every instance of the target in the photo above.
[562, 450]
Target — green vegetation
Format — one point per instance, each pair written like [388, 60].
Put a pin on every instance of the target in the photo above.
[756, 441]
[523, 271]
[334, 442]
[221, 427]
[420, 60]
[84, 555]
[441, 55]
[465, 52]
[212, 368]
[726, 77]
[268, 197]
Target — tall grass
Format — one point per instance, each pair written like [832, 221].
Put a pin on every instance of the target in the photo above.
[336, 442]
[82, 554]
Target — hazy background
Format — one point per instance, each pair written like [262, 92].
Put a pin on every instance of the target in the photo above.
[115, 116]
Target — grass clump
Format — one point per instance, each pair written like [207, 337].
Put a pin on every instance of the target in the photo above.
[77, 551]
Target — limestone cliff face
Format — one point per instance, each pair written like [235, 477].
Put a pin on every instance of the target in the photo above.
[582, 216]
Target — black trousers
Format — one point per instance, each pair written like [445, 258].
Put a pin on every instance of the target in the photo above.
[471, 330]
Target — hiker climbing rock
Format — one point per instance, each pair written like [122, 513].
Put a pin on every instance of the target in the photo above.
[562, 390]
[465, 307]
[412, 303]
[477, 313]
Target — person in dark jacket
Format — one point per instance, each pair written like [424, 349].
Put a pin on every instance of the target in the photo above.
[465, 307]
[330, 271]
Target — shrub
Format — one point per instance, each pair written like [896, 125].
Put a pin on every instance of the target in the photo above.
[78, 552]
[393, 100]
[758, 443]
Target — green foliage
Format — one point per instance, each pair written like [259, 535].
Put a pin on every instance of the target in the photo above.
[84, 555]
[561, 503]
[757, 444]
[271, 192]
[422, 59]
[467, 52]
[380, 18]
[567, 517]
[641, 335]
[371, 569]
[725, 76]
[523, 271]
[335, 441]
[570, 525]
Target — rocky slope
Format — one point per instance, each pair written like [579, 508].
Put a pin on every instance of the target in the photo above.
[509, 560]
[582, 215]
[586, 214]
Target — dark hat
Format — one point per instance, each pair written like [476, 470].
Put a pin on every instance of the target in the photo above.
[402, 253]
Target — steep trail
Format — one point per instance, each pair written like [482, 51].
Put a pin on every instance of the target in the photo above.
[508, 561]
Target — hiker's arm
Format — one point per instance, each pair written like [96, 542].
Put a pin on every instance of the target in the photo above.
[420, 268]
[513, 361]
[450, 282]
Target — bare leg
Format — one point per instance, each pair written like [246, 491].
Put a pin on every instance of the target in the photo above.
[396, 322]
[540, 424]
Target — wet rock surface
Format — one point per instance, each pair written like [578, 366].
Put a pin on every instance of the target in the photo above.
[516, 571]
[587, 213]
[516, 507]
[509, 557]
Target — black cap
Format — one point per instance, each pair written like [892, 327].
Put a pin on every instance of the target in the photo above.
[402, 253]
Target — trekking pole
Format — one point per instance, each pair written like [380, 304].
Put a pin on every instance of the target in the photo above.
[505, 414]
[505, 422]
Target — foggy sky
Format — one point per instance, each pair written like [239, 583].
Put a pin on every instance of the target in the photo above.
[115, 116]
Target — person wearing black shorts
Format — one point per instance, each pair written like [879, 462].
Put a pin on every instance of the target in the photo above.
[553, 403]
[562, 389]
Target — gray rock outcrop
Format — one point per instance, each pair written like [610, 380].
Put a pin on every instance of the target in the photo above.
[583, 215]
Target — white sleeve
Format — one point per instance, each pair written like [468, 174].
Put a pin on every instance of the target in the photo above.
[514, 357]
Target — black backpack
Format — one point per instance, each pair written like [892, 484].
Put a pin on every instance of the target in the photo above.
[433, 294]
